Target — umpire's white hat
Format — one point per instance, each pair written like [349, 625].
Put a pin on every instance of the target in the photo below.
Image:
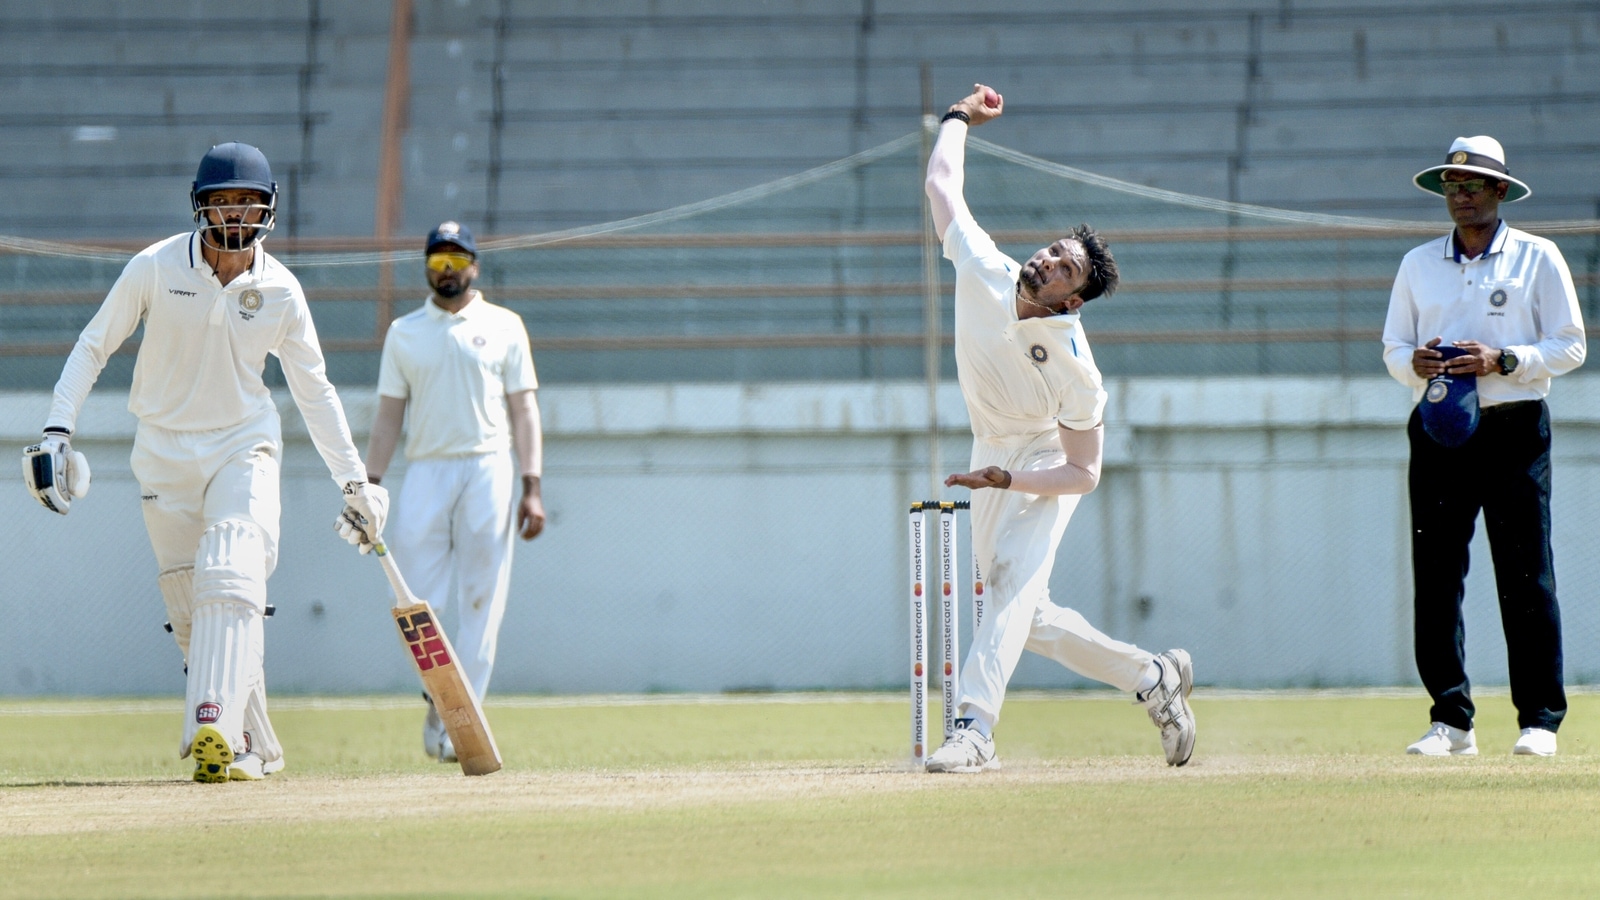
[1481, 154]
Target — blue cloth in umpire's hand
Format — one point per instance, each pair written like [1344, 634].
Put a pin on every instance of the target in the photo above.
[1449, 406]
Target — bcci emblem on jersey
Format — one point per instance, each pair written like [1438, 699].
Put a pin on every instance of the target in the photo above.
[249, 303]
[1497, 299]
[1039, 354]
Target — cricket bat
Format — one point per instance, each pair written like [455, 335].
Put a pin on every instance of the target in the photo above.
[453, 697]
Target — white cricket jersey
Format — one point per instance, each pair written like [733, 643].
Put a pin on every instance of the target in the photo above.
[1518, 295]
[454, 371]
[1019, 377]
[204, 348]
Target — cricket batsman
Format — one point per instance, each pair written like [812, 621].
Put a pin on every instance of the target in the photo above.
[208, 447]
[1035, 400]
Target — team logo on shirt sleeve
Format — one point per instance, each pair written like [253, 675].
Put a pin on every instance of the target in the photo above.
[249, 303]
[1039, 354]
[1497, 299]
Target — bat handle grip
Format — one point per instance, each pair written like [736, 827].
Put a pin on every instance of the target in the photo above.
[402, 591]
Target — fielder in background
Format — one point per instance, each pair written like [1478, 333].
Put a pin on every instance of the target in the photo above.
[463, 367]
[1491, 308]
[1035, 400]
[208, 447]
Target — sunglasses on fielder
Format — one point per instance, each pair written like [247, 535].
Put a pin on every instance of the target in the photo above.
[1475, 186]
[449, 262]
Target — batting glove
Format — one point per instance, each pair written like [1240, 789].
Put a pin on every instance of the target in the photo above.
[366, 508]
[54, 473]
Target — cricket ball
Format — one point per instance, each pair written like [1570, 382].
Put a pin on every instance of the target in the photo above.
[990, 98]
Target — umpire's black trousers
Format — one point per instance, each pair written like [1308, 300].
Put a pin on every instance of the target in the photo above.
[1504, 470]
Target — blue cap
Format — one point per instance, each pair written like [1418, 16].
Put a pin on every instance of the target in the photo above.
[1449, 406]
[452, 233]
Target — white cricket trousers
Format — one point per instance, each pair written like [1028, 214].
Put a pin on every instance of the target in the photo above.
[456, 517]
[1015, 536]
[211, 507]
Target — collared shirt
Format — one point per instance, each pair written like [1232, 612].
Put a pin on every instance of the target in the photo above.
[1019, 377]
[455, 370]
[1518, 295]
[205, 346]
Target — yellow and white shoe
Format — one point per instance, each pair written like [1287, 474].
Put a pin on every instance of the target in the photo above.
[212, 756]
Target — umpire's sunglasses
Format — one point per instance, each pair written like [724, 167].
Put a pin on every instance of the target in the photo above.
[448, 262]
[1475, 186]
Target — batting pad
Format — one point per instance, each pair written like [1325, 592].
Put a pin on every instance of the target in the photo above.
[177, 590]
[231, 566]
[227, 633]
[263, 740]
[224, 663]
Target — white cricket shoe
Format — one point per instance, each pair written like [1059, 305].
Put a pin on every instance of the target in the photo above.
[1445, 740]
[212, 756]
[435, 739]
[1168, 705]
[247, 766]
[1535, 742]
[967, 751]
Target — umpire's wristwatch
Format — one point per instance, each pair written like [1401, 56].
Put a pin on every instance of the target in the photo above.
[1508, 362]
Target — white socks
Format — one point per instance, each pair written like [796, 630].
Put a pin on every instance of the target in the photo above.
[981, 723]
[1152, 677]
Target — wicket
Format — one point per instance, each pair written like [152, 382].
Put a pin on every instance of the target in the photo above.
[949, 606]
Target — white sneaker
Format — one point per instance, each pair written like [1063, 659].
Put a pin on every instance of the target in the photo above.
[1535, 742]
[247, 767]
[1168, 705]
[1446, 740]
[435, 740]
[966, 752]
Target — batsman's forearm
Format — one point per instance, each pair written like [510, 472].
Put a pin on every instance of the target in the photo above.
[112, 324]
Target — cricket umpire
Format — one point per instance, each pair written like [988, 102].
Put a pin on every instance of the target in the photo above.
[463, 368]
[1479, 322]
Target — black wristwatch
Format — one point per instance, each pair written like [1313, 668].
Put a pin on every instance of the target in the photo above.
[1508, 362]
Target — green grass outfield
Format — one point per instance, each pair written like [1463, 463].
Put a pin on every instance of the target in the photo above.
[1289, 795]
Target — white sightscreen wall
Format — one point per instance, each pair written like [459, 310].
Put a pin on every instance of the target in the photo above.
[734, 537]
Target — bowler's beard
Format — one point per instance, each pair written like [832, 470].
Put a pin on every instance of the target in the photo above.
[1030, 284]
[1030, 296]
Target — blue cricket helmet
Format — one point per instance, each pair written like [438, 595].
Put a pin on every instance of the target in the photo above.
[234, 166]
